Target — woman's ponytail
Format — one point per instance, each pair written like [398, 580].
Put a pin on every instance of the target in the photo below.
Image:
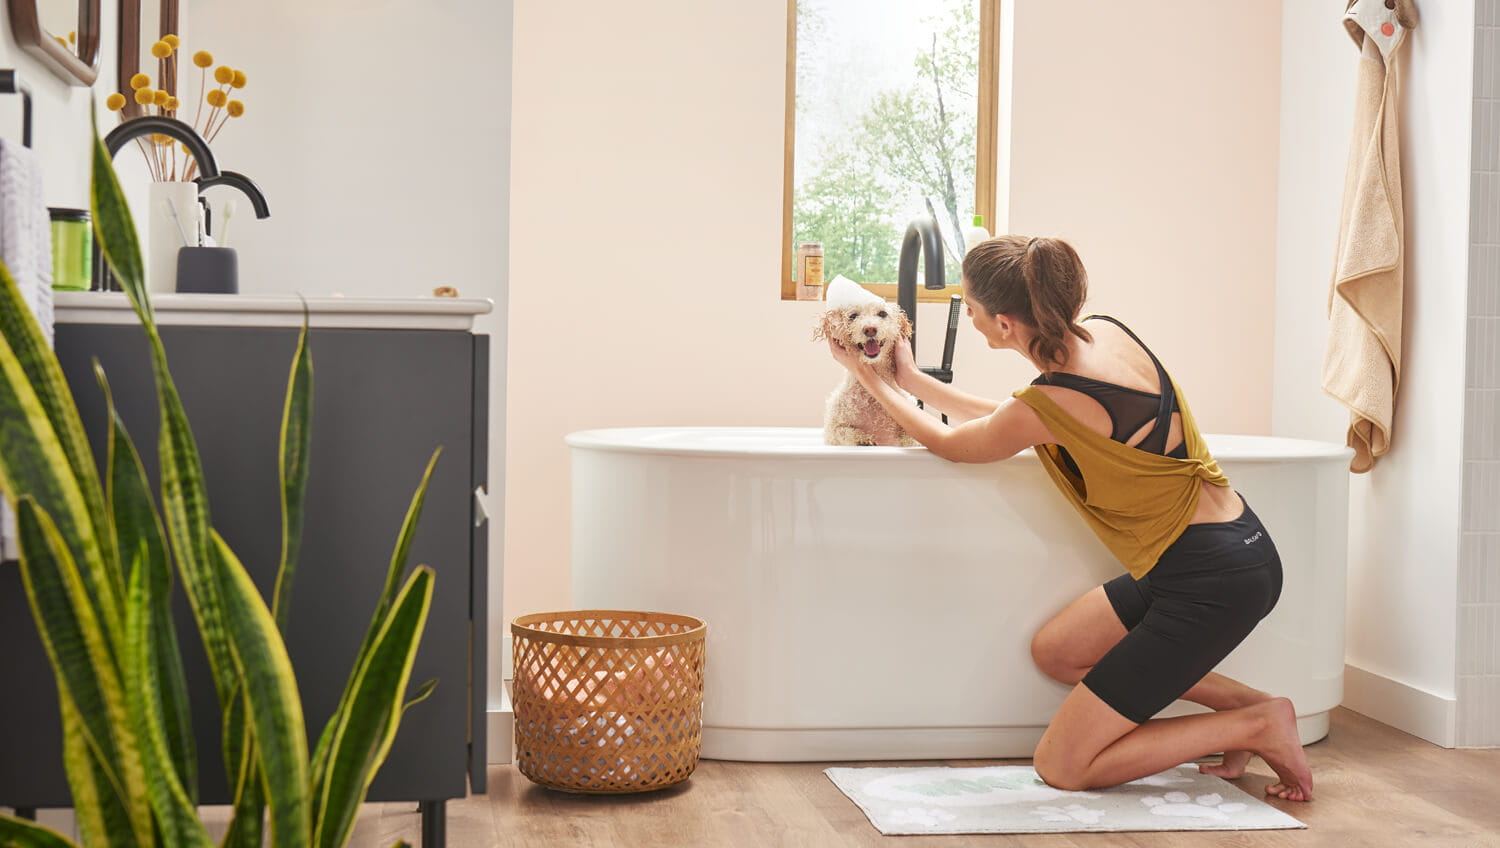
[1056, 285]
[1040, 281]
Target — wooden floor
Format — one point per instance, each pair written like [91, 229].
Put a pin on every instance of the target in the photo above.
[1373, 786]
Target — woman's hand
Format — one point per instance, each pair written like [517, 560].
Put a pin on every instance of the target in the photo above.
[906, 364]
[850, 359]
[867, 375]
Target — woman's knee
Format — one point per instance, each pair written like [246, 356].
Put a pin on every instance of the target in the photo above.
[1057, 771]
[1054, 656]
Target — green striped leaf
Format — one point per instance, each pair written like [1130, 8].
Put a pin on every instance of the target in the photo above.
[296, 433]
[19, 833]
[115, 230]
[366, 725]
[138, 527]
[423, 693]
[85, 670]
[184, 501]
[44, 373]
[247, 825]
[39, 426]
[393, 577]
[101, 816]
[176, 815]
[273, 704]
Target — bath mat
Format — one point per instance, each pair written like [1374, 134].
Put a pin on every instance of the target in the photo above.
[1012, 799]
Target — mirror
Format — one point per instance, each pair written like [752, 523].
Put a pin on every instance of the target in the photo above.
[63, 34]
[143, 23]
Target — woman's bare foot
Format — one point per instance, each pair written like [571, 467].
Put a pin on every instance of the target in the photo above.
[1281, 748]
[1232, 767]
[1234, 762]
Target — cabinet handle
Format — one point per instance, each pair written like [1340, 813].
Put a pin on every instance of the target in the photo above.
[481, 515]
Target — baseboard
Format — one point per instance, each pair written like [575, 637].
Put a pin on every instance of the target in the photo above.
[500, 731]
[1404, 707]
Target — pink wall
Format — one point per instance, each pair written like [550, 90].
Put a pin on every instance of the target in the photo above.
[1146, 134]
[646, 221]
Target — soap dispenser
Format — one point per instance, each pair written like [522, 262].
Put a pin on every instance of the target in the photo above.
[975, 234]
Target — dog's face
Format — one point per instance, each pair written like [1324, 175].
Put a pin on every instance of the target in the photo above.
[871, 328]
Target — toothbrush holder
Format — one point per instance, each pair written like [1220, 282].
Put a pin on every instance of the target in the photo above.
[207, 270]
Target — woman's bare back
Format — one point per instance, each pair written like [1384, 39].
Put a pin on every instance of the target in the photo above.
[1114, 357]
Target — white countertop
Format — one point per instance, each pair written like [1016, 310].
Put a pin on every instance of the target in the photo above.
[240, 310]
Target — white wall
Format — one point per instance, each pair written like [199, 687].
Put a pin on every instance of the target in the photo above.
[60, 113]
[1404, 515]
[380, 134]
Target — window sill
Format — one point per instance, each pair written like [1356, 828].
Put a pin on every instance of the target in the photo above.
[888, 291]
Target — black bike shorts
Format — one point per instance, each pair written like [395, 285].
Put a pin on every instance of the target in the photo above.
[1200, 600]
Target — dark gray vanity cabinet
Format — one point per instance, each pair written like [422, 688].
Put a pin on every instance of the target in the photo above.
[383, 400]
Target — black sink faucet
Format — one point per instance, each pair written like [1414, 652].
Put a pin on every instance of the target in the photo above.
[129, 131]
[153, 124]
[208, 170]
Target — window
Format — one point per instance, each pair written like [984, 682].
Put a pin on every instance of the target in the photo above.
[891, 115]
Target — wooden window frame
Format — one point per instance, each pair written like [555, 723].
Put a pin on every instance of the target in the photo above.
[986, 156]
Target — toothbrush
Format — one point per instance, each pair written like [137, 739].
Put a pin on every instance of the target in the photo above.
[172, 210]
[224, 232]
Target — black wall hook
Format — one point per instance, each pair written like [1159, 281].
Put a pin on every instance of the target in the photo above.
[11, 83]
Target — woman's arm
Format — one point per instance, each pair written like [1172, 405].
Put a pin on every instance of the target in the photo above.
[959, 406]
[1003, 432]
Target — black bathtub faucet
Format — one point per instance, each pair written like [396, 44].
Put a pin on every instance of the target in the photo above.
[922, 237]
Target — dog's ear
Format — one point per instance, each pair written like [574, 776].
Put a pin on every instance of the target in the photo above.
[828, 325]
[905, 323]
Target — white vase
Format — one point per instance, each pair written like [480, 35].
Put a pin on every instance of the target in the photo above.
[167, 233]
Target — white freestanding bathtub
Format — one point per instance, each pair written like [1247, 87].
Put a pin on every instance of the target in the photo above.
[879, 603]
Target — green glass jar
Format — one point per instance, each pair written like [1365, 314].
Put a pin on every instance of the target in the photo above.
[72, 249]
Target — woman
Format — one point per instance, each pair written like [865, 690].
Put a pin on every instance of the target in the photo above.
[1118, 439]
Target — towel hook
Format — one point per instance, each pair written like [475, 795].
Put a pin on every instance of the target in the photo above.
[11, 83]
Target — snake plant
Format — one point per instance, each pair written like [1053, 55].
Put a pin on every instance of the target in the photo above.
[97, 559]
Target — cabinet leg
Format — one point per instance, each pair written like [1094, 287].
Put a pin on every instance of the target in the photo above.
[434, 824]
[28, 813]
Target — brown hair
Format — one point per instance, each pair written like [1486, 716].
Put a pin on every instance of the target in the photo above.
[1038, 281]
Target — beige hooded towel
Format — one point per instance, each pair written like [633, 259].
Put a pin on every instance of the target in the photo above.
[1362, 364]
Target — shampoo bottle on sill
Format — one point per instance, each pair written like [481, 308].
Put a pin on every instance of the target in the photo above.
[975, 234]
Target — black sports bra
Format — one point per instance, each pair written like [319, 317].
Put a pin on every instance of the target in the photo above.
[1129, 409]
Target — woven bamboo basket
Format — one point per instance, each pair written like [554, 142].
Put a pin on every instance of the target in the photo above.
[607, 701]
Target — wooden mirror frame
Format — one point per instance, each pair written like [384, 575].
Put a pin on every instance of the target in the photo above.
[130, 50]
[81, 68]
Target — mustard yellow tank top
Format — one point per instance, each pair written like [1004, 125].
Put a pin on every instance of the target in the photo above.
[1137, 502]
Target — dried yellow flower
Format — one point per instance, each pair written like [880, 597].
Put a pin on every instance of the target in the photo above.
[172, 104]
[223, 74]
[144, 96]
[172, 40]
[60, 40]
[161, 50]
[140, 81]
[239, 79]
[73, 36]
[161, 140]
[115, 102]
[216, 98]
[160, 97]
[203, 58]
[236, 108]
